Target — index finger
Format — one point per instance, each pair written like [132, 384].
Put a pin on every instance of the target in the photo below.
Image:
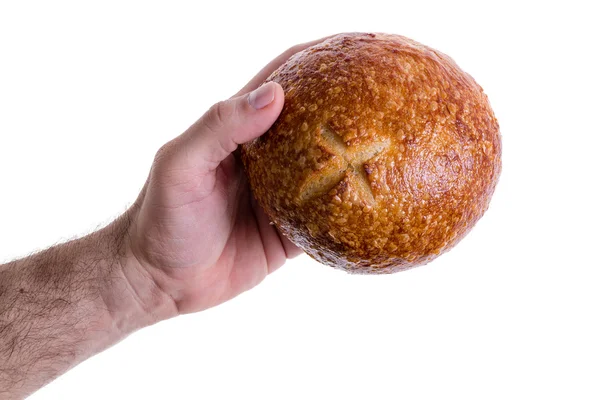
[273, 65]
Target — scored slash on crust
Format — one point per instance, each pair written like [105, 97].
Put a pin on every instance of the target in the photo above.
[347, 161]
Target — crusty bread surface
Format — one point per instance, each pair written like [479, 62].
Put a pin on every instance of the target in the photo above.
[385, 154]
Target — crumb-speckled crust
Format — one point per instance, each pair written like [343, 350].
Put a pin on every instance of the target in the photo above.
[385, 155]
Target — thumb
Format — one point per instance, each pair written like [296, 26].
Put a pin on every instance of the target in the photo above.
[231, 122]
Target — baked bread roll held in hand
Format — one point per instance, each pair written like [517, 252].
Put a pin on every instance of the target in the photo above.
[385, 154]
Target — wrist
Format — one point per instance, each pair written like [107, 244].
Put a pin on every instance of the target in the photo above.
[132, 296]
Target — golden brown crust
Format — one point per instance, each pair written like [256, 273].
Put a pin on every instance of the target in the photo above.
[385, 155]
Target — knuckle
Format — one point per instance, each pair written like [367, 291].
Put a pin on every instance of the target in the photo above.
[218, 115]
[165, 152]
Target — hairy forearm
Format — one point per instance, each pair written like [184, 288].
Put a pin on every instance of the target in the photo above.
[67, 303]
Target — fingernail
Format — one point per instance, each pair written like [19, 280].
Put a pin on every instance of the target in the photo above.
[262, 96]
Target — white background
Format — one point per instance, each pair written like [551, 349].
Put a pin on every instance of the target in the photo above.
[88, 93]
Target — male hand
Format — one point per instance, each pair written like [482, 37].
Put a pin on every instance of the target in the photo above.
[195, 230]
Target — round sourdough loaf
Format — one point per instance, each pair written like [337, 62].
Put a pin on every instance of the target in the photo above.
[385, 154]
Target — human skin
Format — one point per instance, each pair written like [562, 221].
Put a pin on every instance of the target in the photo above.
[194, 238]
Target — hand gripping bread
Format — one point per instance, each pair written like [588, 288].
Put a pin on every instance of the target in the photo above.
[385, 154]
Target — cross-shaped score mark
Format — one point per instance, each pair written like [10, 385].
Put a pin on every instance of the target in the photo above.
[346, 161]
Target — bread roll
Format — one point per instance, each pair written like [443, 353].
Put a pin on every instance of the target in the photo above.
[385, 154]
